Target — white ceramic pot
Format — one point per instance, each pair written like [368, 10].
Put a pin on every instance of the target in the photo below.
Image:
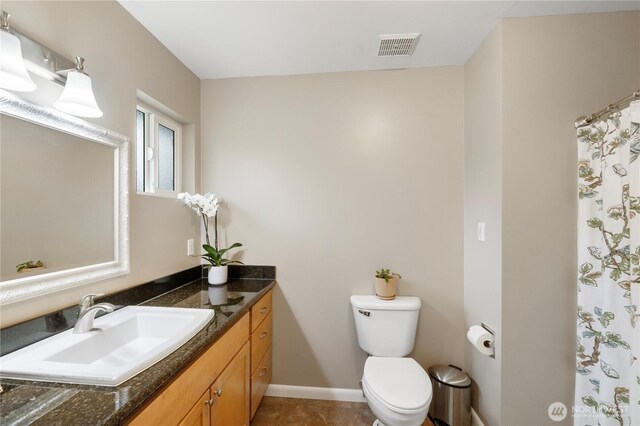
[218, 275]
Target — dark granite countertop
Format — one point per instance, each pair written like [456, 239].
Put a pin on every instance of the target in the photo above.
[43, 403]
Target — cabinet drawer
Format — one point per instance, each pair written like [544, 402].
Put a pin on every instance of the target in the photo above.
[259, 381]
[261, 341]
[260, 310]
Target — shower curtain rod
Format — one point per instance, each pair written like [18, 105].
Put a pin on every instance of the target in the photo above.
[616, 106]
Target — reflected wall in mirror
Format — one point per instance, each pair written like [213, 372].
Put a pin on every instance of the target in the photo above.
[56, 200]
[63, 201]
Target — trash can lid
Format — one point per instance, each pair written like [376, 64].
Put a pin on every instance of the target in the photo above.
[450, 375]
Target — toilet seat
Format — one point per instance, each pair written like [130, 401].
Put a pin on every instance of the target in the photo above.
[399, 384]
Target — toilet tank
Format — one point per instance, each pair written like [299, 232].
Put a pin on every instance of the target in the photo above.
[386, 327]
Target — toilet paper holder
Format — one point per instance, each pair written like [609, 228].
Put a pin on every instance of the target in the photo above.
[491, 345]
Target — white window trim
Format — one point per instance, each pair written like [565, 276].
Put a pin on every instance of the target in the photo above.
[152, 118]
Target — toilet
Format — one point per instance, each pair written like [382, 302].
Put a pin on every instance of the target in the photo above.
[396, 387]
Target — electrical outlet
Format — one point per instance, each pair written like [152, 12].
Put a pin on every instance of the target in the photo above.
[190, 248]
[481, 231]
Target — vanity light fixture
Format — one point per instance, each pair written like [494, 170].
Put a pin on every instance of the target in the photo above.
[13, 72]
[77, 97]
[19, 52]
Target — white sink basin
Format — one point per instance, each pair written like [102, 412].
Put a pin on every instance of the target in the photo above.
[121, 345]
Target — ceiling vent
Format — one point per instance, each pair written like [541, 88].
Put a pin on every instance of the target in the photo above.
[397, 44]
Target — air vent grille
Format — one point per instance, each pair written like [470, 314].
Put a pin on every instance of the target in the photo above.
[397, 44]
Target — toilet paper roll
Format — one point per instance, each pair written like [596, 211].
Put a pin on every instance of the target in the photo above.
[481, 339]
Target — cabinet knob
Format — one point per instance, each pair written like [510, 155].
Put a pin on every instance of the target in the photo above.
[263, 310]
[210, 402]
[263, 335]
[263, 372]
[219, 392]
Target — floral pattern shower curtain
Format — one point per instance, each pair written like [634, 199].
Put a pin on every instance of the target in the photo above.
[608, 339]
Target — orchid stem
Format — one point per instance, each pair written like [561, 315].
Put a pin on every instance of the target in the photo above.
[205, 221]
[215, 230]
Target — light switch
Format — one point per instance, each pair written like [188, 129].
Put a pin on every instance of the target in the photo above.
[190, 245]
[481, 231]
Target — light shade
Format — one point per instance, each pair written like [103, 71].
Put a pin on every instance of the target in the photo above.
[13, 73]
[77, 97]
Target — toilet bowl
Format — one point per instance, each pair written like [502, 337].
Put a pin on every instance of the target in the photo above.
[397, 390]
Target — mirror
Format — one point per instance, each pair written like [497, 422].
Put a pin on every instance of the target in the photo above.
[63, 201]
[56, 200]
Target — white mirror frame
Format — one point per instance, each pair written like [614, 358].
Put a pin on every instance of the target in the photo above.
[38, 285]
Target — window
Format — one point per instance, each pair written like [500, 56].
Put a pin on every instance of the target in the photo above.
[157, 153]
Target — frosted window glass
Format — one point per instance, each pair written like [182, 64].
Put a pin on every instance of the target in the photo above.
[166, 155]
[140, 144]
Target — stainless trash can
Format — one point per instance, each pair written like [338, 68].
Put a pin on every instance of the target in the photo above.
[451, 402]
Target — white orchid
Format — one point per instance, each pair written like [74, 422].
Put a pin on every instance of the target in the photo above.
[202, 204]
[205, 206]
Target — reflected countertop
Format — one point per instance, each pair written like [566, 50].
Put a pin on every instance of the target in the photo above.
[43, 403]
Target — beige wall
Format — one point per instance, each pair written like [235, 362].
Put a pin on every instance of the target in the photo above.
[554, 69]
[483, 203]
[329, 177]
[121, 57]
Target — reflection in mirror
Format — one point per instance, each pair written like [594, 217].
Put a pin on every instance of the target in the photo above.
[56, 201]
[63, 201]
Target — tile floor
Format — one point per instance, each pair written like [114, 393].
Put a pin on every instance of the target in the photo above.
[313, 412]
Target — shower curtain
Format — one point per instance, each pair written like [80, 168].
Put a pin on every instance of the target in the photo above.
[608, 338]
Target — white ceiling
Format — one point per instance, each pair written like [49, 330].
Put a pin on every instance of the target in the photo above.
[219, 39]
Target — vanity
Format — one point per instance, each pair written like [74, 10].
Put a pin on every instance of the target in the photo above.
[218, 377]
[224, 385]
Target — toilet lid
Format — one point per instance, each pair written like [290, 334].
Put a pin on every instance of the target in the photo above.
[399, 382]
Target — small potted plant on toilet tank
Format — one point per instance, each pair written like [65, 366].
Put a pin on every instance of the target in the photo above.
[386, 283]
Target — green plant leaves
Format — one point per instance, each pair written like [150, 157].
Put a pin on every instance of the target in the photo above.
[215, 257]
[30, 264]
[386, 274]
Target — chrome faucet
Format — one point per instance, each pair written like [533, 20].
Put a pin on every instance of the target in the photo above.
[88, 311]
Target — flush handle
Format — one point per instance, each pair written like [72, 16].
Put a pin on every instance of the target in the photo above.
[365, 313]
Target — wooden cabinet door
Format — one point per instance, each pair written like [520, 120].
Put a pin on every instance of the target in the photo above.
[230, 392]
[200, 414]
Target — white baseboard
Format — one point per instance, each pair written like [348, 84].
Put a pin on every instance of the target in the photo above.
[306, 392]
[475, 418]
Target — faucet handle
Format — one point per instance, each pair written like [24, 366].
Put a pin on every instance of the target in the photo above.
[88, 300]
